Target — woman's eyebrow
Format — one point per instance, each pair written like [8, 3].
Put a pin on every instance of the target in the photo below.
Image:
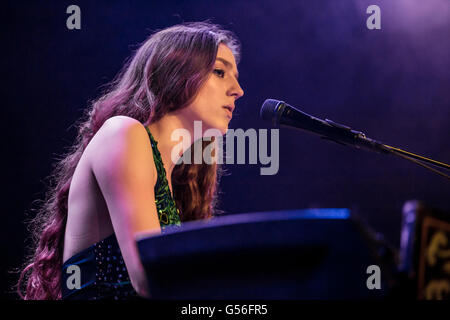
[228, 65]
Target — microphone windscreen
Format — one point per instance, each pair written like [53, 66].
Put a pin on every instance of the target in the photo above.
[268, 109]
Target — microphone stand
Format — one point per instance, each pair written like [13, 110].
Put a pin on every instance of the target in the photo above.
[420, 159]
[345, 135]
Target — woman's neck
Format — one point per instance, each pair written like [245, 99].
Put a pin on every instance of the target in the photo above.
[162, 132]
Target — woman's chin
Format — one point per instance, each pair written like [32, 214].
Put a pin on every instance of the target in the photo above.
[216, 131]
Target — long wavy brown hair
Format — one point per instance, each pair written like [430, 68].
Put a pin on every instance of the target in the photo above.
[163, 75]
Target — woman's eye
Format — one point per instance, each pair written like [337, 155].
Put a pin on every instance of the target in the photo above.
[219, 72]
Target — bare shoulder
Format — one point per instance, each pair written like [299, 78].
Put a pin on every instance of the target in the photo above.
[121, 138]
[118, 130]
[117, 126]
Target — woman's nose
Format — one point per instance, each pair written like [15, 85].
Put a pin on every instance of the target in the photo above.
[236, 90]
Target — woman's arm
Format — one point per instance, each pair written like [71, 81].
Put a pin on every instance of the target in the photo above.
[125, 171]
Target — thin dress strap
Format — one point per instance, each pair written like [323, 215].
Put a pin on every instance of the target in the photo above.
[168, 213]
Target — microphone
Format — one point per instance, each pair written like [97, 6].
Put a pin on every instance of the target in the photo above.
[282, 114]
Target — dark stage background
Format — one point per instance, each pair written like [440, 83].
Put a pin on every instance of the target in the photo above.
[393, 84]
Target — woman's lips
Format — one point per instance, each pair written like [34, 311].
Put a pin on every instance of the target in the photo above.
[229, 112]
